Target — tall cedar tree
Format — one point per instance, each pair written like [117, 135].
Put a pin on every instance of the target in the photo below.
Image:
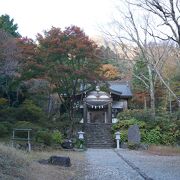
[7, 24]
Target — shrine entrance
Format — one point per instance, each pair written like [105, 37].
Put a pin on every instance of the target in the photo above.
[97, 116]
[97, 107]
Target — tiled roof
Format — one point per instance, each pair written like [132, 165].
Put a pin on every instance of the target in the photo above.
[120, 88]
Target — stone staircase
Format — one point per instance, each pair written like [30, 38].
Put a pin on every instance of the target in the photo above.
[98, 135]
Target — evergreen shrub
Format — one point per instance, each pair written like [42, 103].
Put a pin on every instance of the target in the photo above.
[140, 114]
[28, 111]
[44, 136]
[164, 129]
[3, 130]
[57, 137]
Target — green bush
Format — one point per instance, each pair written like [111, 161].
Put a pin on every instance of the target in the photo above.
[124, 135]
[3, 102]
[164, 129]
[140, 114]
[125, 124]
[8, 114]
[169, 129]
[153, 136]
[177, 115]
[44, 137]
[157, 132]
[28, 111]
[79, 143]
[124, 115]
[168, 138]
[57, 137]
[3, 130]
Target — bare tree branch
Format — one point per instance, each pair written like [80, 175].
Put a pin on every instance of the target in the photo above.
[168, 12]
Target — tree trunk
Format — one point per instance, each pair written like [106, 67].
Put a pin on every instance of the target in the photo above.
[49, 106]
[151, 90]
[168, 87]
[145, 103]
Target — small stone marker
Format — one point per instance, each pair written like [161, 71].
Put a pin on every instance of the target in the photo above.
[134, 135]
[60, 161]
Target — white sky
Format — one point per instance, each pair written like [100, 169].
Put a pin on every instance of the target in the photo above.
[34, 16]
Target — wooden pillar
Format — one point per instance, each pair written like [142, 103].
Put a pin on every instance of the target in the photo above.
[85, 112]
[109, 113]
[105, 117]
[125, 104]
[88, 117]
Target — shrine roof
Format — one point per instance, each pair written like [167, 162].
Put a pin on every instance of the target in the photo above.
[120, 88]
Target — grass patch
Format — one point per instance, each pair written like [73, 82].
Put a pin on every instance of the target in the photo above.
[164, 150]
[76, 171]
[13, 164]
[16, 164]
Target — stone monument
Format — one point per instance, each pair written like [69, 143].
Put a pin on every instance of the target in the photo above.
[134, 136]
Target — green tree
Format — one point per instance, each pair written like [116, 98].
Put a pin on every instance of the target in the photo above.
[7, 24]
[140, 72]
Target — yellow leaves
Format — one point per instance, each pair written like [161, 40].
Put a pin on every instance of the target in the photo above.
[109, 71]
[3, 101]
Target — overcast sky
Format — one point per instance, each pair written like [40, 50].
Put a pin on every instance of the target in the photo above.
[34, 16]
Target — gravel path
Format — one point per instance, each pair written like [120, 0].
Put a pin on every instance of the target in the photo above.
[109, 164]
[105, 164]
[153, 166]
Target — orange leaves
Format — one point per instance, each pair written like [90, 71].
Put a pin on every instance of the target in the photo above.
[109, 71]
[28, 48]
[68, 57]
[70, 41]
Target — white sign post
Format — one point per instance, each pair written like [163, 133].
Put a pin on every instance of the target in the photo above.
[117, 138]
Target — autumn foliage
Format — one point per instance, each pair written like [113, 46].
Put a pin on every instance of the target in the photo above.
[68, 52]
[109, 71]
[70, 61]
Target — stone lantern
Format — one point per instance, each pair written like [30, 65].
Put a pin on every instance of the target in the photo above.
[117, 138]
[81, 139]
[81, 135]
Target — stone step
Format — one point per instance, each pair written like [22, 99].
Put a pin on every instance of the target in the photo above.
[98, 135]
[102, 139]
[99, 140]
[98, 145]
